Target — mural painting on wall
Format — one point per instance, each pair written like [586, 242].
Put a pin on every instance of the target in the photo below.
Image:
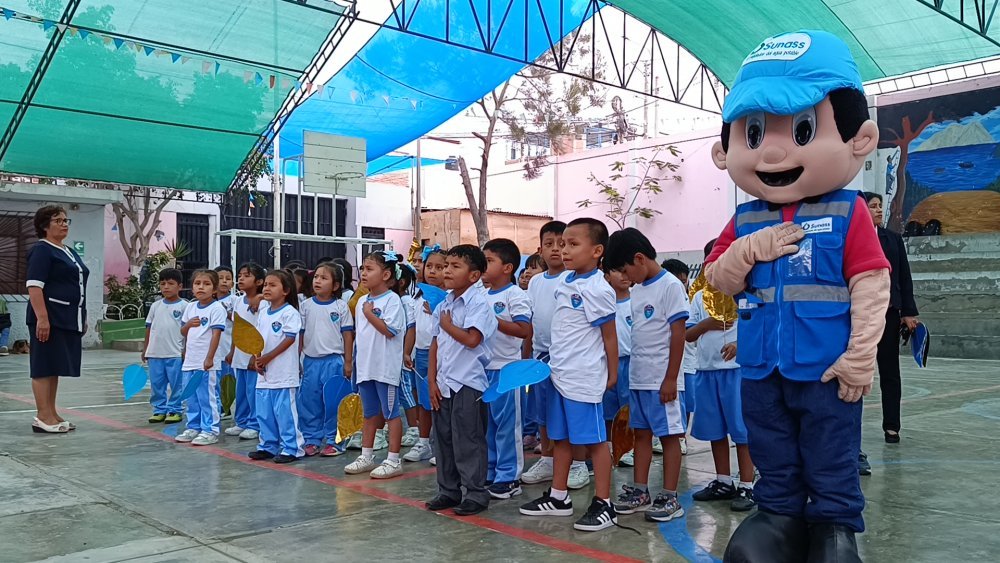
[941, 161]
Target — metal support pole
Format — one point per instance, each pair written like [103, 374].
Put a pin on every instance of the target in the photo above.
[416, 197]
[278, 203]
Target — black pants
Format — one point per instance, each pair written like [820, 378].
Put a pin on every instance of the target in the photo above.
[889, 380]
[460, 434]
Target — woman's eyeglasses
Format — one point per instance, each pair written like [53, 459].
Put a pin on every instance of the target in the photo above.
[62, 221]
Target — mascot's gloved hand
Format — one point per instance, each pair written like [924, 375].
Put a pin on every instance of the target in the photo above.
[728, 273]
[855, 368]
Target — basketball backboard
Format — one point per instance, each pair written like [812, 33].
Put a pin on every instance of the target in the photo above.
[334, 164]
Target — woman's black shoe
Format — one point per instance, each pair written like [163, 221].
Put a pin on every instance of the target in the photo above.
[469, 508]
[440, 502]
[891, 438]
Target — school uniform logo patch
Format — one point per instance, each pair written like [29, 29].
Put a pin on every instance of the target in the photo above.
[276, 327]
[648, 311]
[203, 320]
[177, 314]
[628, 320]
[499, 307]
[576, 299]
[335, 317]
[377, 312]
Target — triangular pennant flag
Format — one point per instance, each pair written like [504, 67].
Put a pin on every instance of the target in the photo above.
[160, 52]
[271, 80]
[329, 91]
[206, 67]
[354, 96]
[106, 39]
[118, 42]
[286, 83]
[386, 100]
[83, 33]
[298, 85]
[71, 31]
[414, 104]
[217, 67]
[184, 60]
[174, 57]
[257, 78]
[8, 13]
[149, 50]
[62, 27]
[247, 76]
[136, 46]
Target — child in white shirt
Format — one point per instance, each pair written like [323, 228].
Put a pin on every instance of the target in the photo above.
[327, 349]
[250, 281]
[280, 323]
[164, 347]
[204, 320]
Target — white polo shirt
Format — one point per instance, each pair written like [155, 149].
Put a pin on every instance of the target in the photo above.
[226, 342]
[199, 339]
[656, 303]
[380, 358]
[425, 322]
[323, 326]
[164, 324]
[509, 304]
[623, 324]
[458, 365]
[583, 304]
[541, 292]
[710, 343]
[276, 326]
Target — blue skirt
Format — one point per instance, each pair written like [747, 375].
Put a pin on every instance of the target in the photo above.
[59, 356]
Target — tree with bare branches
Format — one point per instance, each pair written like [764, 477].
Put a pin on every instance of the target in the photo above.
[909, 133]
[644, 181]
[140, 211]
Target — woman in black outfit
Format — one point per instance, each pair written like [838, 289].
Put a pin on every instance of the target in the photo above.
[57, 317]
[902, 311]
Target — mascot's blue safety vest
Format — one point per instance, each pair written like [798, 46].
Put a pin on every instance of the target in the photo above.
[795, 314]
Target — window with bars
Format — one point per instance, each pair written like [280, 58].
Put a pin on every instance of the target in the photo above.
[17, 236]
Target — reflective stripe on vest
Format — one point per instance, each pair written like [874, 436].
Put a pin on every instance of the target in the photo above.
[804, 293]
[762, 216]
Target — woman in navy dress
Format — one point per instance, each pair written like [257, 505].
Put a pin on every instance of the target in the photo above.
[57, 317]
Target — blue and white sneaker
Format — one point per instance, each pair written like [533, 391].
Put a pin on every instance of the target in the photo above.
[505, 490]
[632, 500]
[665, 508]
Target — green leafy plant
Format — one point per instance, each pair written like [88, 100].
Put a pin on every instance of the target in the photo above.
[622, 202]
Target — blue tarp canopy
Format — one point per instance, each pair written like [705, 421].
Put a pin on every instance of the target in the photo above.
[399, 86]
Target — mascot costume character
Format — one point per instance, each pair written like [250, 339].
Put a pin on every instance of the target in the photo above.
[811, 284]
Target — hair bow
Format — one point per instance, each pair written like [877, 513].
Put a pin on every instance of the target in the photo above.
[428, 250]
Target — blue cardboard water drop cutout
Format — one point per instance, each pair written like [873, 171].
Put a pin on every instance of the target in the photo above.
[134, 379]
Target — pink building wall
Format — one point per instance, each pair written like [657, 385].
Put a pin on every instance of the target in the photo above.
[115, 260]
[693, 210]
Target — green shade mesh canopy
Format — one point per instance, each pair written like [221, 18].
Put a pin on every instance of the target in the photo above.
[151, 92]
[887, 37]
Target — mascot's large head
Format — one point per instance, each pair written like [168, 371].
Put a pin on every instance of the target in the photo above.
[795, 124]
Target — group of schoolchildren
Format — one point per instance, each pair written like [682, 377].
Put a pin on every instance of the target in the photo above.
[615, 328]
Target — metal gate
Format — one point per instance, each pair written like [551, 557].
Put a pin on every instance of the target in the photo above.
[193, 231]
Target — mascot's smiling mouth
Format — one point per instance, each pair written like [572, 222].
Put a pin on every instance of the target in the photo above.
[780, 179]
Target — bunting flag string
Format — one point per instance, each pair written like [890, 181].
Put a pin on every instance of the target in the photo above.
[208, 66]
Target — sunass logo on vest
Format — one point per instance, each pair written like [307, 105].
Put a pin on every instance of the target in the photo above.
[787, 47]
[824, 225]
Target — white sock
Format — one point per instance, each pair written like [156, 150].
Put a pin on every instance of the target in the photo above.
[745, 485]
[424, 441]
[579, 464]
[393, 456]
[727, 479]
[558, 495]
[607, 501]
[670, 493]
[547, 460]
[367, 452]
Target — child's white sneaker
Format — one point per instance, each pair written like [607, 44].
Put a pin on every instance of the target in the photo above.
[684, 446]
[433, 461]
[579, 477]
[249, 434]
[187, 436]
[234, 431]
[420, 452]
[387, 470]
[411, 437]
[627, 460]
[540, 472]
[361, 465]
[205, 439]
[657, 445]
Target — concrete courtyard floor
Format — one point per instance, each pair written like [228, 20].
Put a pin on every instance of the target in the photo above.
[119, 489]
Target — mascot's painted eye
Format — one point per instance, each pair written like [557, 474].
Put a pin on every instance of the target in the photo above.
[804, 126]
[755, 129]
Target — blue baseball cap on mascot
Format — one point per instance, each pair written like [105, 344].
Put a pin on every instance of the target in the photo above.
[790, 72]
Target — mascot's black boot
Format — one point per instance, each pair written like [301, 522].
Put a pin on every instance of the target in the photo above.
[832, 543]
[764, 537]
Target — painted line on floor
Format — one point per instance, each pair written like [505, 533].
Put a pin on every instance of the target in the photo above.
[939, 396]
[676, 534]
[358, 487]
[26, 411]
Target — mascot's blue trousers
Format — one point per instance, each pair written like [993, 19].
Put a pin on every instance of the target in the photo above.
[805, 442]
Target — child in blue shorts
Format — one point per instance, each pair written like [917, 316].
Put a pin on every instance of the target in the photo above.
[584, 361]
[659, 311]
[617, 397]
[689, 365]
[720, 411]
